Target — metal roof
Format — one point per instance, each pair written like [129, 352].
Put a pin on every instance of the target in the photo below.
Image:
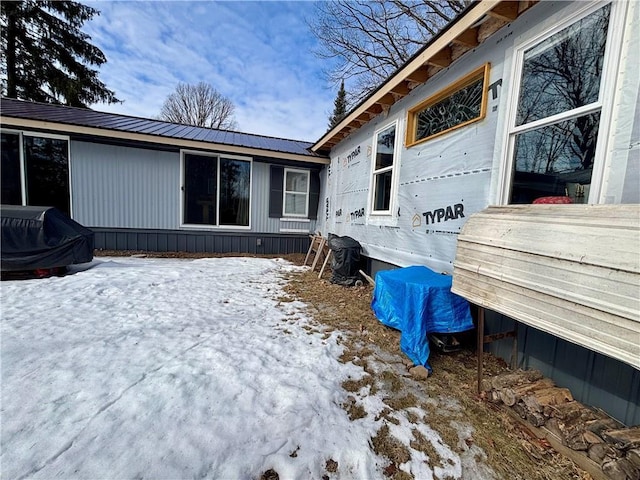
[156, 128]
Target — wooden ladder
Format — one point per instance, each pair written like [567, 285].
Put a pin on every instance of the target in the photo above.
[318, 251]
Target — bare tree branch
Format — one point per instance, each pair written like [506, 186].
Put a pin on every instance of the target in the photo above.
[200, 105]
[370, 39]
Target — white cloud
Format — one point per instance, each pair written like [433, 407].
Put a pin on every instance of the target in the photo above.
[258, 54]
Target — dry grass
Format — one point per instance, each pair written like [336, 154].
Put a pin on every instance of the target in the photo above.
[448, 397]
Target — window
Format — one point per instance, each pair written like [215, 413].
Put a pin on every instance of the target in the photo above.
[384, 154]
[45, 163]
[291, 198]
[10, 168]
[556, 120]
[216, 190]
[460, 104]
[296, 193]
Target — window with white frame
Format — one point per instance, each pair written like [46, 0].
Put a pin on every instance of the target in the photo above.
[556, 118]
[384, 153]
[296, 193]
[35, 170]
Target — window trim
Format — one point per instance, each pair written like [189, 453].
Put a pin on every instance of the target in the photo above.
[218, 156]
[604, 103]
[464, 81]
[284, 193]
[23, 175]
[394, 176]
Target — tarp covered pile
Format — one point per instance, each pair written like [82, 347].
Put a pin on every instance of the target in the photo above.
[35, 238]
[418, 301]
[346, 260]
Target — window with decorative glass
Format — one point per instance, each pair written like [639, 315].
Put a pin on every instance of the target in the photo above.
[556, 122]
[462, 103]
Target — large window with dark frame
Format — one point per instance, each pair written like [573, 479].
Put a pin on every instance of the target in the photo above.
[555, 126]
[462, 103]
[35, 170]
[217, 190]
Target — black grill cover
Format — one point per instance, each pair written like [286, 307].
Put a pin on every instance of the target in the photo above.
[346, 260]
[41, 238]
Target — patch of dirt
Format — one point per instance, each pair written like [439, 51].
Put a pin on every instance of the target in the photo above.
[387, 445]
[448, 397]
[331, 466]
[270, 474]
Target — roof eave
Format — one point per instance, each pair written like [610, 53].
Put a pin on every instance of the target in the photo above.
[65, 128]
[433, 57]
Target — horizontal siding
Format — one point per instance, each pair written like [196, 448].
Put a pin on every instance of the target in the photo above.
[199, 242]
[570, 270]
[124, 187]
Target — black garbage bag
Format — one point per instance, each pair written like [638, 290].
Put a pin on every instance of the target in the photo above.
[346, 260]
[36, 238]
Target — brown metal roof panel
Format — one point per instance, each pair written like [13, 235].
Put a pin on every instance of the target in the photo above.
[205, 135]
[87, 117]
[175, 130]
[157, 128]
[140, 126]
[122, 123]
[110, 121]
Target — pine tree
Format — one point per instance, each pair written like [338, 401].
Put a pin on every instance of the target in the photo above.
[340, 107]
[45, 55]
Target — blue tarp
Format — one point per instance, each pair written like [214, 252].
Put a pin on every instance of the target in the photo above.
[418, 301]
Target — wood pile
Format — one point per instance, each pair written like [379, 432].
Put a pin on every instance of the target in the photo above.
[608, 443]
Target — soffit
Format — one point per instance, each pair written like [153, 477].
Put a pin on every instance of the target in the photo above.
[481, 20]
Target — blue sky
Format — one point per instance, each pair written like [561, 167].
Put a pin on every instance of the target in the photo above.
[258, 54]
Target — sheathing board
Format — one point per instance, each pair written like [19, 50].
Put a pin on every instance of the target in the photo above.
[448, 174]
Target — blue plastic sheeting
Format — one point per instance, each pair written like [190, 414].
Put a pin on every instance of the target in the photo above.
[418, 301]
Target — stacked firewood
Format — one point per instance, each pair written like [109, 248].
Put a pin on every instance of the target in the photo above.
[537, 400]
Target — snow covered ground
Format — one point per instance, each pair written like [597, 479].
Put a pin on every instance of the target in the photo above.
[176, 369]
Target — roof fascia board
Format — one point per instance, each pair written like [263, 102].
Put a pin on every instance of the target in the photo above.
[141, 137]
[442, 41]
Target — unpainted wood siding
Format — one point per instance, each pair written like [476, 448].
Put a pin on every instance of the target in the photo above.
[570, 270]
